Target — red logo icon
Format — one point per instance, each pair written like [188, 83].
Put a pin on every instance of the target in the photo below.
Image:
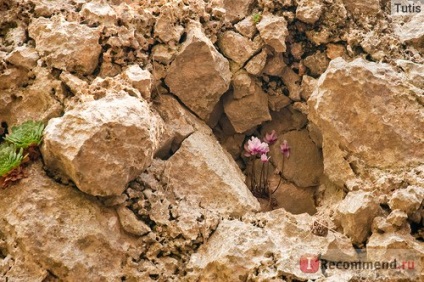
[309, 263]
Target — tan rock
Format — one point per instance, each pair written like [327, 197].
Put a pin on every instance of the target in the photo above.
[12, 78]
[317, 63]
[130, 223]
[285, 120]
[166, 28]
[23, 56]
[237, 9]
[103, 144]
[163, 53]
[237, 47]
[413, 71]
[66, 45]
[295, 200]
[292, 81]
[308, 86]
[199, 75]
[246, 27]
[203, 174]
[99, 12]
[275, 65]
[277, 101]
[335, 50]
[32, 102]
[407, 200]
[408, 31]
[397, 218]
[54, 228]
[356, 213]
[362, 7]
[248, 106]
[140, 79]
[309, 11]
[256, 64]
[273, 31]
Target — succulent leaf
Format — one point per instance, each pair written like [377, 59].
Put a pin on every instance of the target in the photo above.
[10, 158]
[27, 134]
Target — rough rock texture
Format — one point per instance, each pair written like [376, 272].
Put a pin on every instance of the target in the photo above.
[139, 79]
[407, 200]
[309, 11]
[237, 9]
[199, 75]
[356, 213]
[59, 232]
[218, 185]
[375, 124]
[103, 144]
[66, 45]
[294, 199]
[273, 31]
[237, 47]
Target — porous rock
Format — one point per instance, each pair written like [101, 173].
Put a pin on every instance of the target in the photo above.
[201, 172]
[237, 47]
[237, 9]
[273, 30]
[103, 144]
[199, 75]
[356, 214]
[51, 228]
[23, 56]
[66, 45]
[309, 11]
[140, 79]
[407, 200]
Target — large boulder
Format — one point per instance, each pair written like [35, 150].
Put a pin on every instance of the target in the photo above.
[199, 75]
[66, 45]
[103, 144]
[204, 174]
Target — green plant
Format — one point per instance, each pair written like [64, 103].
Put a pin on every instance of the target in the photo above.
[256, 18]
[10, 158]
[27, 134]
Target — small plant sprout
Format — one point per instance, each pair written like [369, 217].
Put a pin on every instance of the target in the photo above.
[256, 18]
[10, 164]
[254, 149]
[27, 136]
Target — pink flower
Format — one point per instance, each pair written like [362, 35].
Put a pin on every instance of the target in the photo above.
[285, 149]
[254, 146]
[264, 158]
[270, 138]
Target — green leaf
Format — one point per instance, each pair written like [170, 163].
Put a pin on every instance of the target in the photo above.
[10, 158]
[27, 134]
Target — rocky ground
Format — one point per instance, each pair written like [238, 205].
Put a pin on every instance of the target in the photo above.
[148, 106]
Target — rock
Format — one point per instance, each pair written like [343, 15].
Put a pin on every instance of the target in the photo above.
[407, 200]
[130, 223]
[335, 50]
[199, 75]
[12, 78]
[277, 101]
[66, 45]
[51, 228]
[256, 64]
[362, 8]
[163, 53]
[273, 31]
[246, 27]
[356, 213]
[409, 32]
[76, 85]
[308, 86]
[140, 79]
[317, 63]
[309, 11]
[304, 167]
[397, 218]
[295, 200]
[315, 134]
[103, 144]
[292, 81]
[201, 172]
[237, 47]
[248, 105]
[237, 9]
[23, 56]
[166, 28]
[97, 12]
[263, 246]
[275, 65]
[391, 139]
[285, 120]
[413, 71]
[32, 102]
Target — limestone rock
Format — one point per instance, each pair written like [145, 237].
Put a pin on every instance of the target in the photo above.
[275, 65]
[292, 81]
[237, 9]
[23, 56]
[362, 7]
[66, 45]
[410, 31]
[284, 120]
[98, 12]
[140, 79]
[201, 172]
[166, 28]
[237, 47]
[75, 84]
[103, 144]
[54, 228]
[361, 129]
[305, 165]
[273, 30]
[256, 64]
[317, 63]
[246, 27]
[199, 75]
[248, 105]
[32, 102]
[308, 86]
[407, 200]
[356, 213]
[130, 223]
[163, 53]
[309, 11]
[295, 200]
[397, 218]
[413, 71]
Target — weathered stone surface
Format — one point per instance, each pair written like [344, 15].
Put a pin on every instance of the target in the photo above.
[23, 56]
[275, 65]
[308, 86]
[285, 120]
[166, 28]
[397, 218]
[237, 47]
[201, 172]
[409, 31]
[292, 81]
[317, 63]
[362, 7]
[140, 79]
[356, 213]
[263, 246]
[66, 45]
[200, 74]
[305, 164]
[309, 11]
[376, 124]
[103, 144]
[248, 105]
[295, 200]
[246, 27]
[34, 102]
[237, 9]
[76, 85]
[163, 53]
[273, 31]
[256, 64]
[98, 12]
[53, 228]
[407, 200]
[130, 223]
[413, 71]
